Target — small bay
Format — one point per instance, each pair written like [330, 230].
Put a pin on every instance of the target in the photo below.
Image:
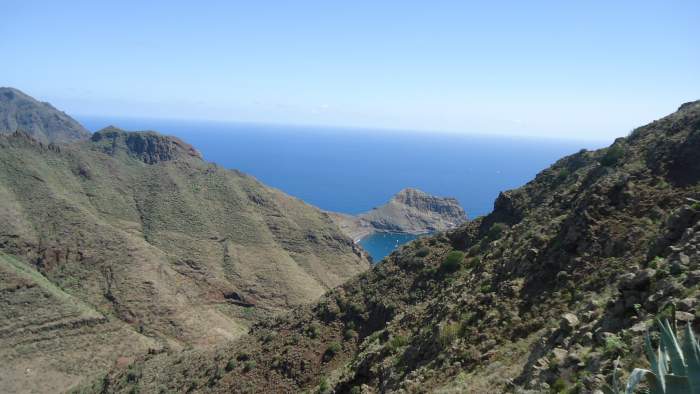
[380, 245]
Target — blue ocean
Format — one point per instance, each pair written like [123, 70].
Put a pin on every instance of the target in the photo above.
[354, 170]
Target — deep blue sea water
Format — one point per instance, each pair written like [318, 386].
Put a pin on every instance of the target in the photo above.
[353, 170]
[379, 245]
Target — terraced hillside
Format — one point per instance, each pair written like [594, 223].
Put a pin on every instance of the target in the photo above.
[49, 340]
[541, 295]
[130, 242]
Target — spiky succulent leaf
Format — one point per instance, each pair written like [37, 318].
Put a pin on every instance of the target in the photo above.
[637, 376]
[691, 352]
[658, 360]
[663, 366]
[608, 390]
[677, 385]
[670, 345]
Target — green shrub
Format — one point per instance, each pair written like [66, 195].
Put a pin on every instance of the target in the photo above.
[230, 365]
[243, 356]
[313, 331]
[474, 250]
[333, 349]
[661, 273]
[132, 376]
[473, 262]
[356, 308]
[612, 156]
[614, 346]
[448, 333]
[496, 231]
[655, 262]
[562, 175]
[249, 365]
[422, 252]
[349, 334]
[559, 386]
[397, 342]
[323, 386]
[453, 262]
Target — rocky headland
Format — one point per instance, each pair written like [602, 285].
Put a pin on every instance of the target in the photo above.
[410, 211]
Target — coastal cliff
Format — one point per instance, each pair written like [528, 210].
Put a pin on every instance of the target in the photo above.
[410, 211]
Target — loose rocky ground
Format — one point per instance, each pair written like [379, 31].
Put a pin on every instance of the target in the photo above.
[541, 295]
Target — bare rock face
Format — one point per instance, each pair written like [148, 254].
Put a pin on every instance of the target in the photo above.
[414, 211]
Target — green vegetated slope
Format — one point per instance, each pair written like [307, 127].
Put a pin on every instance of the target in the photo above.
[551, 287]
[154, 241]
[20, 112]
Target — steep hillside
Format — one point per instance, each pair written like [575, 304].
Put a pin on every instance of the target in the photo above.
[541, 295]
[49, 340]
[133, 238]
[410, 211]
[20, 112]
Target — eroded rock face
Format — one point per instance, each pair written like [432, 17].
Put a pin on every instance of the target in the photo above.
[410, 211]
[414, 211]
[148, 146]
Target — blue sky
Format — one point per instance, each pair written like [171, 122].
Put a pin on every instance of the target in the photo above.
[589, 69]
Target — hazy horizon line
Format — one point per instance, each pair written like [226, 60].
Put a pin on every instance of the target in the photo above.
[309, 127]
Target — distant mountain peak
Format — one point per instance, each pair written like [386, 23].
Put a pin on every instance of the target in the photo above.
[43, 122]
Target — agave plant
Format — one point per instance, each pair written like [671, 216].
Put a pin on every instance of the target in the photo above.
[675, 365]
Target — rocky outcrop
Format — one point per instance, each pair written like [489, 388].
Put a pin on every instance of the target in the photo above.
[148, 146]
[43, 122]
[410, 211]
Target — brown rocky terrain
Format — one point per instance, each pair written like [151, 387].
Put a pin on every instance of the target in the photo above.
[129, 242]
[540, 296]
[410, 211]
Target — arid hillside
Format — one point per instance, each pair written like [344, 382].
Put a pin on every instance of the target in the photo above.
[130, 242]
[541, 295]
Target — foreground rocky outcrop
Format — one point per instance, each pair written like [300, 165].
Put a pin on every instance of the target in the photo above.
[129, 242]
[46, 124]
[410, 211]
[542, 295]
